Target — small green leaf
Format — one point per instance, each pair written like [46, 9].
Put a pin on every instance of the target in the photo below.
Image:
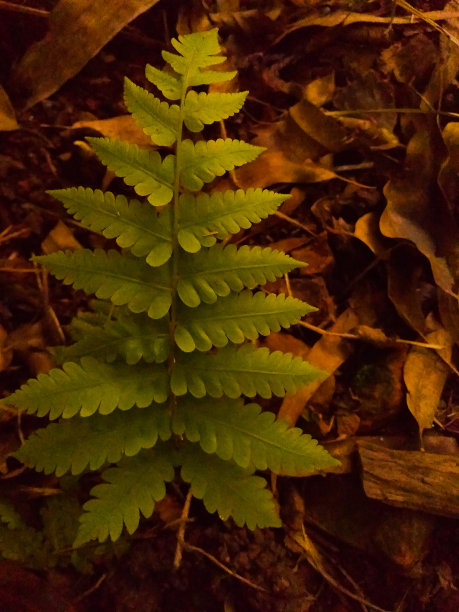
[240, 371]
[251, 438]
[228, 489]
[145, 170]
[204, 160]
[90, 387]
[135, 225]
[130, 489]
[109, 275]
[100, 440]
[157, 119]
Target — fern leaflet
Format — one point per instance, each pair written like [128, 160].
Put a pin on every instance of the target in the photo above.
[241, 371]
[228, 489]
[236, 318]
[89, 387]
[203, 161]
[251, 438]
[130, 489]
[120, 278]
[134, 225]
[100, 440]
[129, 338]
[204, 218]
[213, 273]
[145, 170]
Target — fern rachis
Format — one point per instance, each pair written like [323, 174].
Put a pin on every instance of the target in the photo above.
[155, 378]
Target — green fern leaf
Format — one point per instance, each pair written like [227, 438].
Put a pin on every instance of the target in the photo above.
[135, 226]
[245, 370]
[228, 489]
[204, 218]
[157, 119]
[109, 275]
[90, 387]
[130, 489]
[132, 339]
[168, 83]
[198, 50]
[251, 438]
[205, 108]
[99, 439]
[204, 160]
[236, 318]
[217, 271]
[144, 170]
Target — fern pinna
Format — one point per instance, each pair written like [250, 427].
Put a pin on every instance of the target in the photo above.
[155, 378]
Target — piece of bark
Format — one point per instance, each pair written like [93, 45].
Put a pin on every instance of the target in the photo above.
[411, 479]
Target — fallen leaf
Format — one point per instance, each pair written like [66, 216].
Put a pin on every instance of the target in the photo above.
[7, 116]
[425, 374]
[60, 238]
[408, 213]
[123, 127]
[367, 230]
[327, 354]
[320, 91]
[78, 29]
[324, 129]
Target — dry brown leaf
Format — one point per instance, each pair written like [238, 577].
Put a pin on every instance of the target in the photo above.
[78, 29]
[327, 354]
[425, 374]
[321, 90]
[60, 238]
[325, 130]
[408, 212]
[345, 18]
[123, 127]
[275, 167]
[367, 230]
[410, 59]
[7, 116]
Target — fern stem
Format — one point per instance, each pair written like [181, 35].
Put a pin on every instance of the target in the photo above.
[175, 244]
[181, 531]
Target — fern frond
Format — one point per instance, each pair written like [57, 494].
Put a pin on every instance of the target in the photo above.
[198, 50]
[144, 170]
[131, 338]
[206, 108]
[228, 489]
[251, 438]
[204, 218]
[216, 271]
[91, 386]
[236, 318]
[206, 159]
[135, 226]
[130, 488]
[109, 275]
[78, 443]
[159, 120]
[245, 370]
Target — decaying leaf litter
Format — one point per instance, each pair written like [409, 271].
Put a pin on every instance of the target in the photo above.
[357, 104]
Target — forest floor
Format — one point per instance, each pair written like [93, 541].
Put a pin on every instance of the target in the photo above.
[357, 103]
